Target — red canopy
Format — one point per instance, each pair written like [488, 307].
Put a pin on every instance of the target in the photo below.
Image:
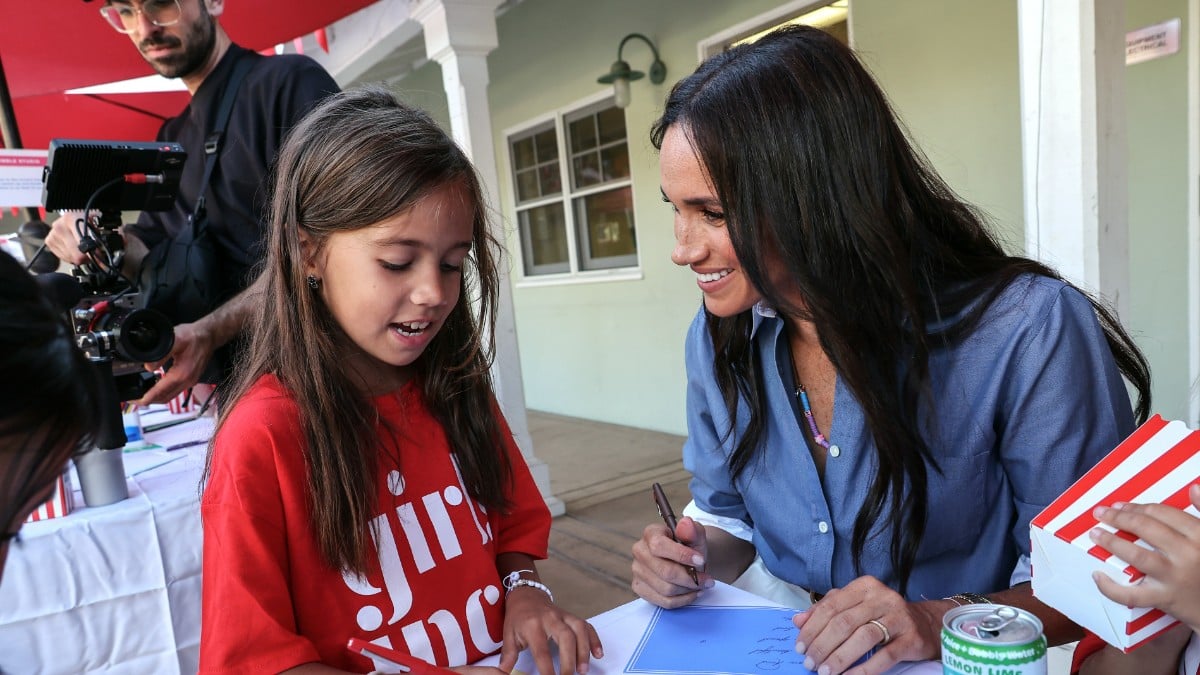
[50, 46]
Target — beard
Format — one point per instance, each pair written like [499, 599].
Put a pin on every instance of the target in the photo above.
[197, 44]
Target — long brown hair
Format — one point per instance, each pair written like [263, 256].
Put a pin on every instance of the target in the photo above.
[809, 161]
[359, 158]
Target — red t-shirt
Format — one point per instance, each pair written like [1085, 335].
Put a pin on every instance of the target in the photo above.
[270, 602]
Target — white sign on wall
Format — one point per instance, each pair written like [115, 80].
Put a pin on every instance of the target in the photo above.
[21, 177]
[1151, 42]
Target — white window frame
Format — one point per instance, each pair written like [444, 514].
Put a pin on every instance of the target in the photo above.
[574, 275]
[717, 41]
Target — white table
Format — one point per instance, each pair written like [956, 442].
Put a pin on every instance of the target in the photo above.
[113, 589]
[622, 627]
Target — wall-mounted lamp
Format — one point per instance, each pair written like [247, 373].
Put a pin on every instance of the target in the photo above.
[620, 74]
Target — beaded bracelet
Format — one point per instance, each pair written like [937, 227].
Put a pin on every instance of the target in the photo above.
[514, 581]
[961, 599]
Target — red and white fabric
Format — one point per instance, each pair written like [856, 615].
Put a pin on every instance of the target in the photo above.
[59, 504]
[1155, 464]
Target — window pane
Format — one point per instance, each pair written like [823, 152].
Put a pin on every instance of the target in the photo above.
[544, 239]
[551, 179]
[583, 134]
[587, 170]
[612, 125]
[605, 222]
[527, 185]
[522, 151]
[615, 161]
[547, 146]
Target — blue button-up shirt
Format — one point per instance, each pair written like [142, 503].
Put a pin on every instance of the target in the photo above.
[1023, 407]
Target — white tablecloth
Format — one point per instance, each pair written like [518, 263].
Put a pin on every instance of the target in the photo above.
[113, 589]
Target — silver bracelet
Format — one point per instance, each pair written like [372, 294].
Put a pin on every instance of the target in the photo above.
[514, 580]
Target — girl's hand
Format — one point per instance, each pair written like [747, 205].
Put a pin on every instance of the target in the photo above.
[838, 630]
[531, 620]
[1172, 581]
[660, 564]
[480, 670]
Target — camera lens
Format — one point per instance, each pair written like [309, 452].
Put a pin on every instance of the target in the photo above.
[145, 336]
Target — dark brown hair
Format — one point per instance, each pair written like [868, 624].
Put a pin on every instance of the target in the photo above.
[808, 160]
[48, 400]
[359, 158]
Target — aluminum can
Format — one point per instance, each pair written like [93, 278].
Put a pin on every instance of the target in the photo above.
[992, 640]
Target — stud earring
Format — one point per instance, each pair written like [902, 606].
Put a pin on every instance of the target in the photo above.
[314, 283]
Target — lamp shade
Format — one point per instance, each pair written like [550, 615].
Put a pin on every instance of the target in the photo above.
[620, 74]
[621, 92]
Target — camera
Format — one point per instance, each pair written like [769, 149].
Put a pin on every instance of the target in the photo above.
[101, 179]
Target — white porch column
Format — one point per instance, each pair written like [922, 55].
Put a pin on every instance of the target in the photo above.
[1072, 67]
[1193, 78]
[459, 34]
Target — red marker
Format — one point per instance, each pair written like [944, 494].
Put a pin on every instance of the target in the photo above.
[403, 663]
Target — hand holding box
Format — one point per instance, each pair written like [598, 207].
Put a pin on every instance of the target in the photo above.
[1155, 465]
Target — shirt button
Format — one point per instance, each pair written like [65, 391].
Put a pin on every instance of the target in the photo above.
[823, 527]
[834, 451]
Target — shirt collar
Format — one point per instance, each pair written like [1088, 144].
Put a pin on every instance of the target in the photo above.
[762, 313]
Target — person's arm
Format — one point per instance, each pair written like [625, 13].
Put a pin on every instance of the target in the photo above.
[660, 574]
[322, 669]
[196, 342]
[531, 618]
[532, 621]
[1161, 656]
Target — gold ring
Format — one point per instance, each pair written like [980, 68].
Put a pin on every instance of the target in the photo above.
[887, 635]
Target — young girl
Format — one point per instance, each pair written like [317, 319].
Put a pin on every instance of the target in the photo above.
[362, 482]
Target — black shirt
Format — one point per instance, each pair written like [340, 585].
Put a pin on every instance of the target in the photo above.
[274, 95]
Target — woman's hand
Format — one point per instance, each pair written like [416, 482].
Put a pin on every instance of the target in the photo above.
[838, 630]
[531, 620]
[660, 564]
[1172, 581]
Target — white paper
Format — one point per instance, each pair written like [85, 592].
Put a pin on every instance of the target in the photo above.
[21, 177]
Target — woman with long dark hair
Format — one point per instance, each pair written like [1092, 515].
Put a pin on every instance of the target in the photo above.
[879, 397]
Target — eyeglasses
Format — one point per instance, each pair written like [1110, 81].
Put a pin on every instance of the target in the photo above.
[123, 17]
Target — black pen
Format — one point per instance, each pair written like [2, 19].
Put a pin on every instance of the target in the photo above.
[668, 516]
[185, 444]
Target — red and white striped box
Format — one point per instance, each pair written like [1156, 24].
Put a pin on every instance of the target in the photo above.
[60, 504]
[1156, 464]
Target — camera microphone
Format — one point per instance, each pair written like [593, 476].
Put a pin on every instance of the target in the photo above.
[62, 290]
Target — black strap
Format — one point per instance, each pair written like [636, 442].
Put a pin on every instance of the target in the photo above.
[212, 144]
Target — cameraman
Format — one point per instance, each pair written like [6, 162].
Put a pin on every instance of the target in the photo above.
[183, 39]
[47, 407]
